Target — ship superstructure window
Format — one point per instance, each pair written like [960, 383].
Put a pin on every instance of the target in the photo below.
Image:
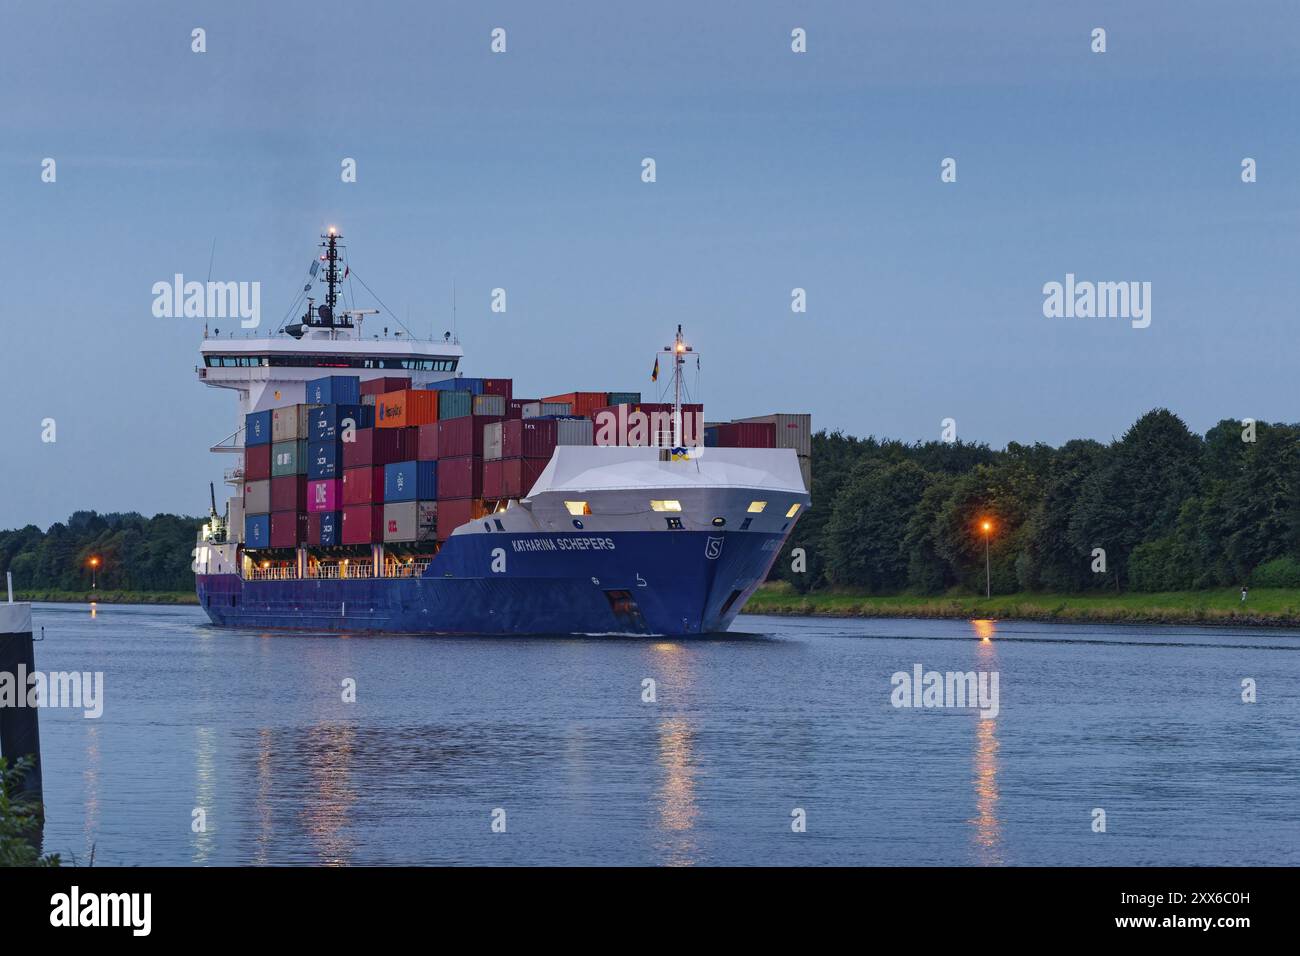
[577, 507]
[668, 504]
[794, 510]
[329, 361]
[756, 507]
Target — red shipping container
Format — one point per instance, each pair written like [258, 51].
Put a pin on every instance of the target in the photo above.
[378, 446]
[528, 438]
[493, 479]
[288, 493]
[499, 386]
[378, 386]
[518, 475]
[313, 530]
[364, 485]
[460, 477]
[515, 407]
[746, 435]
[410, 406]
[426, 442]
[363, 524]
[257, 462]
[361, 451]
[288, 529]
[463, 436]
[455, 512]
[323, 494]
[584, 403]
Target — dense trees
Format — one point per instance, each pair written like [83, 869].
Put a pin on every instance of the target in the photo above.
[1169, 509]
[135, 553]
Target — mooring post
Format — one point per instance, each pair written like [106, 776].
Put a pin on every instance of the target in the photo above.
[19, 729]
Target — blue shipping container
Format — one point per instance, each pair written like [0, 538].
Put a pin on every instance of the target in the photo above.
[472, 385]
[331, 527]
[411, 481]
[334, 390]
[711, 437]
[324, 460]
[327, 421]
[257, 428]
[257, 531]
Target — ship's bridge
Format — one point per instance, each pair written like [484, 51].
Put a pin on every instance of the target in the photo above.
[270, 372]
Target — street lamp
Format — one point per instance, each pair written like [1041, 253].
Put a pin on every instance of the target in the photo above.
[94, 566]
[986, 526]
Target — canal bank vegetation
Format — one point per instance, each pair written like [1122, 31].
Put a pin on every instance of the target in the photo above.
[127, 556]
[1158, 524]
[1265, 606]
[100, 596]
[20, 819]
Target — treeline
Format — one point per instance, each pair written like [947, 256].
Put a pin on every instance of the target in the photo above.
[135, 553]
[1168, 509]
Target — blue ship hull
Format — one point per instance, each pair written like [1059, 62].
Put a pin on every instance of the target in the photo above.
[631, 582]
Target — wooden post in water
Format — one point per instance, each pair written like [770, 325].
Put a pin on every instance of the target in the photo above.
[19, 729]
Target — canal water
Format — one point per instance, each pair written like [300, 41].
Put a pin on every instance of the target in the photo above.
[776, 744]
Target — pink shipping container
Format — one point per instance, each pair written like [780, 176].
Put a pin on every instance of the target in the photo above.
[325, 494]
[515, 407]
[426, 443]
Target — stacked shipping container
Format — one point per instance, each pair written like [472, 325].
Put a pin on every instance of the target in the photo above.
[380, 461]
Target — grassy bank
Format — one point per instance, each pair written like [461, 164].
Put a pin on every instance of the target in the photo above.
[109, 597]
[1265, 606]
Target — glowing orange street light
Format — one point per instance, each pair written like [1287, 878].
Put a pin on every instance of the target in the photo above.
[94, 566]
[986, 526]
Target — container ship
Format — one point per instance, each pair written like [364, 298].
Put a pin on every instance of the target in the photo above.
[379, 489]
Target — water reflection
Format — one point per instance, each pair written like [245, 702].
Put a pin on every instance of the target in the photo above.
[326, 814]
[676, 797]
[205, 787]
[262, 802]
[988, 826]
[90, 781]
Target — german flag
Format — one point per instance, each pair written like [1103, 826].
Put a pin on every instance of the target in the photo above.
[654, 373]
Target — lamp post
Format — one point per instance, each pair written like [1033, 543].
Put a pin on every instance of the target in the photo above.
[94, 566]
[986, 526]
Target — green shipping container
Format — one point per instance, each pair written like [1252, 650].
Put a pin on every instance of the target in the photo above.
[455, 404]
[288, 458]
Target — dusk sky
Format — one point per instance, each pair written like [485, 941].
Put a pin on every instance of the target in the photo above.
[775, 170]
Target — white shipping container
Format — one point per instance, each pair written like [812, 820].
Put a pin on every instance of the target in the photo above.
[235, 519]
[257, 497]
[291, 422]
[574, 431]
[492, 440]
[538, 409]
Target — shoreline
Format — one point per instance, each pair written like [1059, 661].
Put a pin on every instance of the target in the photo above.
[107, 597]
[1274, 607]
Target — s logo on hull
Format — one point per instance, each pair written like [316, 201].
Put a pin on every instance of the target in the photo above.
[713, 548]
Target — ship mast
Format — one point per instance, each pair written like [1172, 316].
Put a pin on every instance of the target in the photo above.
[679, 348]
